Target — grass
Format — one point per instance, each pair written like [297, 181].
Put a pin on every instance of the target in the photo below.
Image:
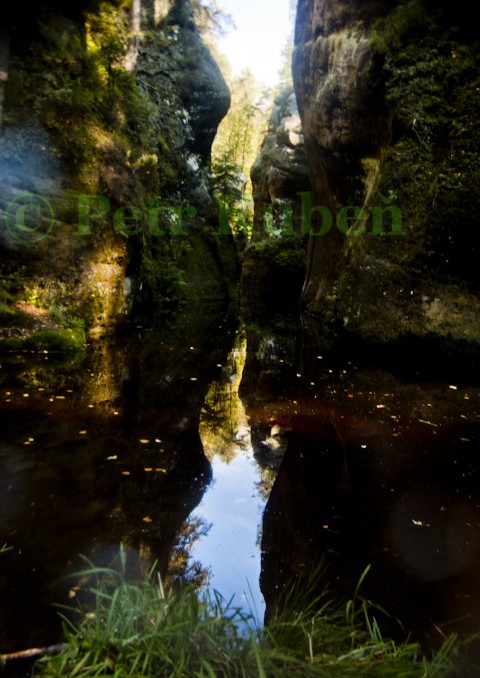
[142, 630]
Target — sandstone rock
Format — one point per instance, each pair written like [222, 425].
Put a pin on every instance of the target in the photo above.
[280, 170]
[274, 264]
[386, 119]
[76, 123]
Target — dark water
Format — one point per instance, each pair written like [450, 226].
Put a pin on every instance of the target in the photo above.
[239, 459]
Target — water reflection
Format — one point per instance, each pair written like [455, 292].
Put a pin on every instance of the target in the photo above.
[377, 470]
[233, 504]
[344, 461]
[83, 469]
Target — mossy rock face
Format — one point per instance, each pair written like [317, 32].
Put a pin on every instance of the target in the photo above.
[272, 276]
[390, 118]
[274, 263]
[49, 341]
[84, 138]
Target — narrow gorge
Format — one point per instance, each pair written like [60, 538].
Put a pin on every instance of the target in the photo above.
[247, 388]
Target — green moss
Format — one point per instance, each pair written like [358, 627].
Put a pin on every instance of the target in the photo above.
[51, 341]
[8, 315]
[432, 90]
[11, 345]
[285, 255]
[57, 341]
[76, 86]
[408, 19]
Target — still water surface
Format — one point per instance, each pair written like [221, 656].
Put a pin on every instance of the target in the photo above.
[236, 460]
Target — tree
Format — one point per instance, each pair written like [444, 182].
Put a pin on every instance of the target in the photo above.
[236, 146]
[211, 20]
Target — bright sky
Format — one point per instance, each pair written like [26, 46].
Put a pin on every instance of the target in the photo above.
[262, 28]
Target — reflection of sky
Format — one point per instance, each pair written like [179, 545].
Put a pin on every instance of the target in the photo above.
[234, 506]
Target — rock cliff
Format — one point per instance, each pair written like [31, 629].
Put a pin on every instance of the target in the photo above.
[274, 264]
[107, 214]
[388, 94]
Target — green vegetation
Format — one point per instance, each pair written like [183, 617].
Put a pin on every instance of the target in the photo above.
[143, 630]
[49, 341]
[430, 67]
[285, 254]
[77, 87]
[235, 148]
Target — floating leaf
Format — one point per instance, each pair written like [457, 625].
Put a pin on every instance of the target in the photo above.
[147, 519]
[429, 423]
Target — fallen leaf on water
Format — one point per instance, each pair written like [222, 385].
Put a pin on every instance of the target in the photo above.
[125, 473]
[147, 519]
[161, 470]
[144, 441]
[148, 470]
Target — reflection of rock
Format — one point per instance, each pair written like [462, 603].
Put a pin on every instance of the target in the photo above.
[269, 445]
[307, 495]
[401, 499]
[79, 475]
[377, 470]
